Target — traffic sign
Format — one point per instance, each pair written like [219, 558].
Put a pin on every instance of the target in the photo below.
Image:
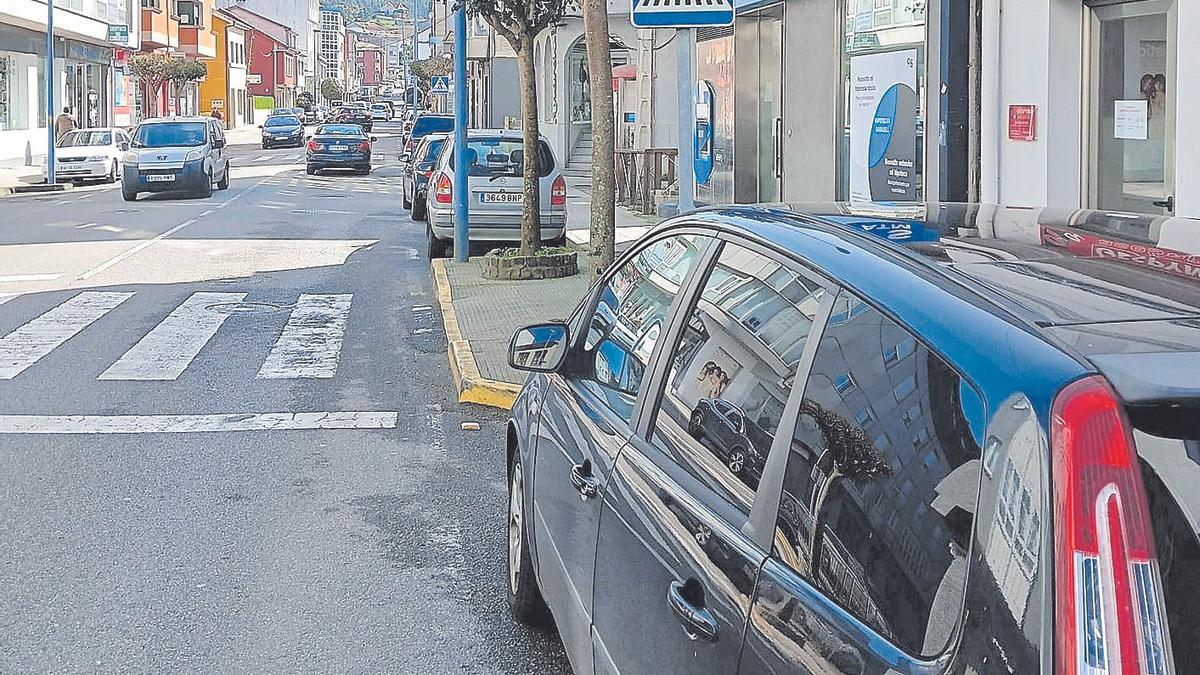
[118, 33]
[439, 84]
[681, 13]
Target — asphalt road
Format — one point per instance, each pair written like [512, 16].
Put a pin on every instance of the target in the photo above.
[174, 498]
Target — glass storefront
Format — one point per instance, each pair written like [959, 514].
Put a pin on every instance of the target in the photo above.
[1131, 130]
[882, 142]
[714, 68]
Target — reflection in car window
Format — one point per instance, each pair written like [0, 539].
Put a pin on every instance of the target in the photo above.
[629, 317]
[731, 372]
[882, 527]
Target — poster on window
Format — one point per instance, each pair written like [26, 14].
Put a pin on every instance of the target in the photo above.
[883, 127]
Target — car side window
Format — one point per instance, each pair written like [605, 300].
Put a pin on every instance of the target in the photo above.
[630, 316]
[730, 374]
[879, 491]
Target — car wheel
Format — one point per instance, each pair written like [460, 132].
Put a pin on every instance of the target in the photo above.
[419, 209]
[310, 170]
[560, 240]
[736, 461]
[128, 195]
[437, 247]
[223, 184]
[405, 201]
[206, 190]
[524, 599]
[695, 424]
[365, 171]
[264, 146]
[112, 173]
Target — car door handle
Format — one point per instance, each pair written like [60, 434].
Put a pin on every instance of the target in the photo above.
[583, 480]
[697, 621]
[1168, 203]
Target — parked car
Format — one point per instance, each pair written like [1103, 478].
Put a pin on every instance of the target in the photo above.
[983, 446]
[723, 427]
[339, 146]
[417, 172]
[354, 115]
[495, 162]
[381, 112]
[425, 123]
[170, 154]
[89, 154]
[285, 130]
[311, 115]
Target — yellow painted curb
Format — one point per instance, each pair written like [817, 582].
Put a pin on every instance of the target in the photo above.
[472, 387]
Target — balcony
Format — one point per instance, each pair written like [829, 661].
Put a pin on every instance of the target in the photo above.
[159, 28]
[196, 37]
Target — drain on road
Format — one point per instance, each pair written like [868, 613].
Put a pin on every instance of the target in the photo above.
[249, 307]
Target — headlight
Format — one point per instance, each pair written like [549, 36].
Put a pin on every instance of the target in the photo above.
[193, 155]
[130, 158]
[97, 158]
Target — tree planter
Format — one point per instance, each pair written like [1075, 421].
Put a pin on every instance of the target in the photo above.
[502, 265]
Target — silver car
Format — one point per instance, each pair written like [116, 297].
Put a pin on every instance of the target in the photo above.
[169, 154]
[495, 192]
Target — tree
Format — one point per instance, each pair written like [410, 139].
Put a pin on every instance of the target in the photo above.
[851, 455]
[151, 70]
[304, 100]
[599, 57]
[425, 69]
[331, 89]
[519, 22]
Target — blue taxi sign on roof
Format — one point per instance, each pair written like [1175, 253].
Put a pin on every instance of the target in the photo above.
[681, 13]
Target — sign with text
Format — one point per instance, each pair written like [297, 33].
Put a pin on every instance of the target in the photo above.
[253, 78]
[883, 127]
[118, 33]
[680, 13]
[1131, 119]
[1022, 122]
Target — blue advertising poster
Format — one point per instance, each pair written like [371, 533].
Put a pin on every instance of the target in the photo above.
[883, 127]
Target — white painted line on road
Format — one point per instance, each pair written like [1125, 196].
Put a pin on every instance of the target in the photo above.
[27, 344]
[61, 202]
[121, 256]
[206, 212]
[261, 158]
[29, 277]
[311, 340]
[83, 226]
[167, 350]
[5, 297]
[192, 424]
[110, 228]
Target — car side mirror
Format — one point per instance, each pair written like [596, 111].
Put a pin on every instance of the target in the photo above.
[540, 348]
[218, 142]
[260, 126]
[373, 139]
[123, 146]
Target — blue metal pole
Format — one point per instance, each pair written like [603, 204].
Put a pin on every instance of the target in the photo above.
[461, 225]
[409, 78]
[685, 87]
[50, 178]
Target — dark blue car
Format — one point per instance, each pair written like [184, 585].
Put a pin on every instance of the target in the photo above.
[980, 432]
[338, 146]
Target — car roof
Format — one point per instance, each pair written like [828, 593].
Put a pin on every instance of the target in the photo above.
[176, 119]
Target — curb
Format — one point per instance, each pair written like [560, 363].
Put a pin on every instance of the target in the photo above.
[35, 188]
[472, 387]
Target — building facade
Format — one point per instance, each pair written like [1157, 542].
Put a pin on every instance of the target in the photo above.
[333, 44]
[303, 16]
[224, 88]
[273, 62]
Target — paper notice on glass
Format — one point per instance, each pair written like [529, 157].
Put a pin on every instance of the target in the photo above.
[1130, 120]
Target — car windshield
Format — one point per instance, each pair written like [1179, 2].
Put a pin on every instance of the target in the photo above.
[164, 135]
[339, 130]
[282, 121]
[434, 148]
[502, 157]
[428, 125]
[81, 138]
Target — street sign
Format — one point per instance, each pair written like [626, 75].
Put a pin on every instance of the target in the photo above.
[118, 33]
[439, 84]
[253, 78]
[681, 13]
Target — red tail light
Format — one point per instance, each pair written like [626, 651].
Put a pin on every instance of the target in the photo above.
[558, 192]
[364, 146]
[312, 146]
[408, 147]
[1109, 613]
[442, 190]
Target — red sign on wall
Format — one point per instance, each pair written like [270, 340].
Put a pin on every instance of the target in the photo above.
[1022, 122]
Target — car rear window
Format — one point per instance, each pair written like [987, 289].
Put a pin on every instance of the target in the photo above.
[339, 130]
[502, 157]
[282, 121]
[429, 125]
[170, 134]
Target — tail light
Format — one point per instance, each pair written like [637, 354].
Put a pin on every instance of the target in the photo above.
[442, 190]
[364, 146]
[408, 147]
[312, 146]
[558, 192]
[1109, 613]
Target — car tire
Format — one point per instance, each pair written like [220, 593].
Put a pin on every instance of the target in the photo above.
[736, 461]
[524, 598]
[310, 170]
[419, 209]
[128, 195]
[437, 247]
[112, 173]
[206, 190]
[405, 201]
[696, 424]
[265, 146]
[223, 184]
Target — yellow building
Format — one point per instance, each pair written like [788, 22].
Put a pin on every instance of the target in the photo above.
[215, 89]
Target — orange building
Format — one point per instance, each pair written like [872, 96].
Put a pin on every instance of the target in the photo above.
[214, 90]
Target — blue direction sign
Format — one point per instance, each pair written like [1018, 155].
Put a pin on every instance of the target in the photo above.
[681, 13]
[439, 84]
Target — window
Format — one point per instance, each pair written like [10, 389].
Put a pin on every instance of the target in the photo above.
[629, 317]
[190, 13]
[725, 387]
[859, 516]
[152, 4]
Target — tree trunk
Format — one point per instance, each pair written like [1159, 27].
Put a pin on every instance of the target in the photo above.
[531, 224]
[817, 537]
[599, 56]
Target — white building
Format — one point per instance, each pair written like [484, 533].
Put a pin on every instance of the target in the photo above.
[302, 16]
[333, 45]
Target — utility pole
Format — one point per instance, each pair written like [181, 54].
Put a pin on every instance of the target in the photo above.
[461, 227]
[410, 77]
[684, 92]
[50, 179]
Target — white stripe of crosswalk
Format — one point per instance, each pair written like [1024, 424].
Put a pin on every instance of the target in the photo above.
[29, 343]
[169, 348]
[311, 340]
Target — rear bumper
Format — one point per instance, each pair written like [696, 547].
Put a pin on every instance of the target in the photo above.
[336, 160]
[283, 140]
[97, 169]
[441, 222]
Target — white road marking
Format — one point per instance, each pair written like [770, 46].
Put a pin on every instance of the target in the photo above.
[185, 424]
[27, 344]
[83, 226]
[311, 340]
[110, 228]
[5, 297]
[261, 158]
[167, 350]
[29, 277]
[121, 256]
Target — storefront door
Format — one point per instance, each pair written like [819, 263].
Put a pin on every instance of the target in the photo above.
[1132, 126]
[758, 82]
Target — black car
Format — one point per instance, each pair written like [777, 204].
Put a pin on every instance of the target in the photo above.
[359, 116]
[426, 123]
[981, 431]
[282, 130]
[417, 172]
[338, 146]
[723, 427]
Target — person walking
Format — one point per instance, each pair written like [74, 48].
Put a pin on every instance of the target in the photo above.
[63, 123]
[216, 114]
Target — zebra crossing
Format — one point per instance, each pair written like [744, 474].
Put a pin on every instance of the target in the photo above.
[308, 345]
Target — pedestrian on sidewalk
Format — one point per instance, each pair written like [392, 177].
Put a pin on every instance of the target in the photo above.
[216, 114]
[63, 123]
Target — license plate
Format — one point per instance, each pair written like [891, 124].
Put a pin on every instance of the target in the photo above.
[501, 197]
[160, 178]
[70, 167]
[339, 148]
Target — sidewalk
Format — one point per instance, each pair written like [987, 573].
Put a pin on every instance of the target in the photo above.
[481, 315]
[14, 173]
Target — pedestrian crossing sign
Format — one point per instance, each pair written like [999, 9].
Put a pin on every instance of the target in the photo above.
[681, 13]
[440, 84]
